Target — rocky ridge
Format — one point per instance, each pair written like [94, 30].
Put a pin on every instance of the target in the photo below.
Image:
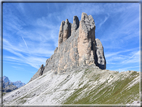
[18, 84]
[9, 86]
[77, 46]
[81, 85]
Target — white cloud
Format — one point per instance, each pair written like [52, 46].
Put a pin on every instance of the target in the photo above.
[133, 68]
[24, 42]
[121, 58]
[108, 55]
[33, 61]
[30, 46]
[32, 56]
[104, 21]
[134, 58]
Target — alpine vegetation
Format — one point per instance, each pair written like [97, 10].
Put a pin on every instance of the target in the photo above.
[76, 73]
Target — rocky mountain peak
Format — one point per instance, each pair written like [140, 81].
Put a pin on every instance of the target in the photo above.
[75, 24]
[67, 21]
[87, 22]
[9, 86]
[5, 79]
[65, 31]
[77, 46]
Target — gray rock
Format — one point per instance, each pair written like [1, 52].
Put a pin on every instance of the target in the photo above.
[86, 42]
[56, 50]
[5, 79]
[75, 24]
[76, 47]
[61, 33]
[8, 86]
[101, 62]
[18, 84]
[39, 72]
[65, 31]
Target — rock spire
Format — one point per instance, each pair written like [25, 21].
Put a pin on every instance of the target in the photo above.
[77, 46]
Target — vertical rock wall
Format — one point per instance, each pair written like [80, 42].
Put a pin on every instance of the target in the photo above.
[101, 62]
[86, 40]
[65, 31]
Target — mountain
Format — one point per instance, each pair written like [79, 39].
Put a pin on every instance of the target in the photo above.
[77, 46]
[9, 86]
[76, 73]
[5, 79]
[18, 84]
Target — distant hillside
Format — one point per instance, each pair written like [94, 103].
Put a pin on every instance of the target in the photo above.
[9, 86]
[18, 84]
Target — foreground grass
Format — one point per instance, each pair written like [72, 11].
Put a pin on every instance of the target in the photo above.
[116, 93]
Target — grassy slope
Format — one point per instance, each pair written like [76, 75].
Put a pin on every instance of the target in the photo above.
[115, 93]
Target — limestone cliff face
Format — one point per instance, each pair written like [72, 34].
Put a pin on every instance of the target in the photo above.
[77, 46]
[86, 40]
[65, 31]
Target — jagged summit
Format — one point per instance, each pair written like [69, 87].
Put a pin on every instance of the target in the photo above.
[77, 46]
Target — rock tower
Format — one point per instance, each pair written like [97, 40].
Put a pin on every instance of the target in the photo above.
[77, 46]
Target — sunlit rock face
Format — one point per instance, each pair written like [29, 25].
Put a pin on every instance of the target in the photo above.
[86, 40]
[65, 31]
[77, 46]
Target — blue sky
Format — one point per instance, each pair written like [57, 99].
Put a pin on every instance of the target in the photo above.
[30, 34]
